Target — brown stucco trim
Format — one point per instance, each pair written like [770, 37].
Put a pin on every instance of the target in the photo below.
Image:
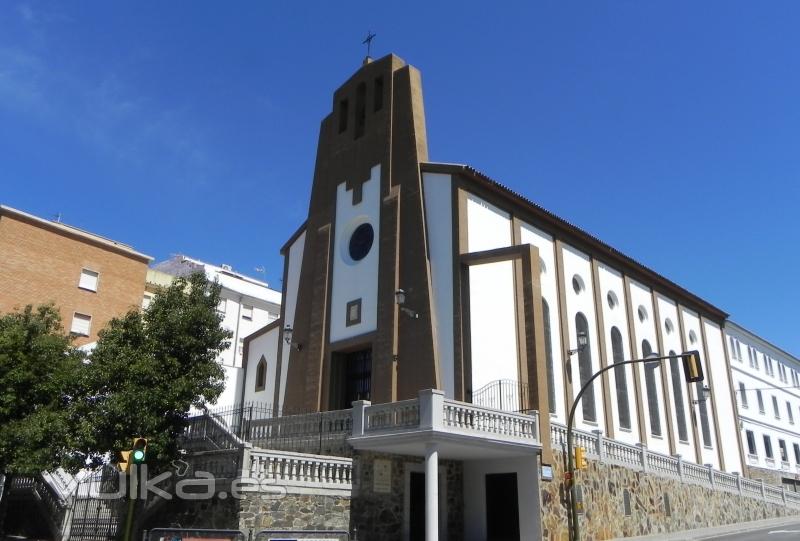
[279, 368]
[255, 334]
[519, 283]
[636, 367]
[566, 361]
[296, 235]
[578, 238]
[713, 403]
[459, 240]
[603, 359]
[664, 373]
[698, 449]
[734, 405]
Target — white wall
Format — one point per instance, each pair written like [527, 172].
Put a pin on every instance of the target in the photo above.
[230, 394]
[439, 220]
[549, 288]
[611, 283]
[475, 472]
[265, 345]
[354, 280]
[721, 396]
[577, 264]
[295, 263]
[670, 333]
[493, 327]
[693, 340]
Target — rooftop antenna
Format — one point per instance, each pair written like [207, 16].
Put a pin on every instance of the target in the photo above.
[368, 42]
[58, 217]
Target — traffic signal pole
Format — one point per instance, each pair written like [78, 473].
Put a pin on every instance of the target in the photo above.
[133, 490]
[693, 372]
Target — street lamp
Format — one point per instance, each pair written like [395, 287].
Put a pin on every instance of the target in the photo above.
[706, 394]
[400, 300]
[690, 358]
[288, 332]
[583, 339]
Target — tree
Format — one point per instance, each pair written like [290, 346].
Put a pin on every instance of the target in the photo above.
[39, 375]
[148, 369]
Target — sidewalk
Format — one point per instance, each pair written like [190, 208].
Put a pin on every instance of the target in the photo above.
[715, 531]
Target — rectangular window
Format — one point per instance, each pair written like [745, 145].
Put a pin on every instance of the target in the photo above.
[88, 280]
[222, 306]
[81, 324]
[146, 300]
[767, 446]
[789, 412]
[247, 312]
[796, 453]
[751, 443]
[378, 96]
[749, 356]
[760, 402]
[775, 407]
[742, 395]
[755, 359]
[361, 110]
[784, 453]
[733, 348]
[344, 113]
[739, 351]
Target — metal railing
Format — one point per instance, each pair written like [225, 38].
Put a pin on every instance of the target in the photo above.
[638, 457]
[503, 394]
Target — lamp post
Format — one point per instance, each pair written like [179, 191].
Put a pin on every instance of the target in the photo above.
[692, 371]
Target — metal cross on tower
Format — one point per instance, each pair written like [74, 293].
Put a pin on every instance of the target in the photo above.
[368, 41]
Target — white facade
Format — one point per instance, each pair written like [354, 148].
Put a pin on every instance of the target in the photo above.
[246, 305]
[759, 369]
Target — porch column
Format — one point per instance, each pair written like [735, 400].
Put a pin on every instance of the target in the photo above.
[431, 492]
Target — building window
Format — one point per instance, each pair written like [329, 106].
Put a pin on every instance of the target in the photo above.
[585, 369]
[261, 374]
[222, 306]
[612, 300]
[146, 300]
[775, 407]
[642, 312]
[739, 351]
[767, 446]
[361, 109]
[548, 355]
[247, 312]
[620, 379]
[652, 392]
[733, 349]
[81, 324]
[668, 326]
[784, 452]
[755, 358]
[692, 337]
[378, 95]
[789, 412]
[743, 394]
[677, 390]
[88, 280]
[577, 284]
[703, 407]
[760, 401]
[751, 443]
[796, 453]
[361, 242]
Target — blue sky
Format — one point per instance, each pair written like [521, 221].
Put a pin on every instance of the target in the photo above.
[671, 130]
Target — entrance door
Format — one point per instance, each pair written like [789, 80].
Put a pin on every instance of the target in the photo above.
[351, 378]
[416, 514]
[502, 507]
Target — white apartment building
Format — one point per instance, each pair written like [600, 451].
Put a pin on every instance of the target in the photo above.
[247, 305]
[766, 383]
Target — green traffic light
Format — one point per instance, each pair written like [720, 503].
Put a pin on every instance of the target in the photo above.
[138, 455]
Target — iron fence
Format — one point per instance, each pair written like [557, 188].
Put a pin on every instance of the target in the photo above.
[503, 394]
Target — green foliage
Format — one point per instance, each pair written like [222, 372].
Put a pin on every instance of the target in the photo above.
[148, 369]
[39, 372]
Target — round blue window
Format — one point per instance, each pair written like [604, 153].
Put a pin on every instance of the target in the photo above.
[361, 242]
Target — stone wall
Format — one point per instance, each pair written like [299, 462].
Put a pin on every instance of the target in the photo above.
[657, 504]
[260, 511]
[381, 513]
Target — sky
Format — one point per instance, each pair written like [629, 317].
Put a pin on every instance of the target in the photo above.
[669, 129]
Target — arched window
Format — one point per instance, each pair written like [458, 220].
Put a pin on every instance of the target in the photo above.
[585, 369]
[677, 391]
[652, 391]
[261, 374]
[548, 355]
[620, 379]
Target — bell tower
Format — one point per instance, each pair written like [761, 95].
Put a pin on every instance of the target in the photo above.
[365, 238]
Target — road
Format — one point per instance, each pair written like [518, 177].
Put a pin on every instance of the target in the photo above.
[784, 532]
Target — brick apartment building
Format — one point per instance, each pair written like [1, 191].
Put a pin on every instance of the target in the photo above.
[89, 278]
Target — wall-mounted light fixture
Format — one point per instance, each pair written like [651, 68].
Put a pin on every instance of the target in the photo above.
[400, 300]
[287, 337]
[706, 395]
[583, 339]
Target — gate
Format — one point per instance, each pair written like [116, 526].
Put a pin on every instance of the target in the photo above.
[300, 535]
[95, 517]
[189, 534]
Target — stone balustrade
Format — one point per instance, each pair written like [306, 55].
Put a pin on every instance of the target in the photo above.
[301, 472]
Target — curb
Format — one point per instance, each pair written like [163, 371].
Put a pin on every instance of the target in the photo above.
[714, 531]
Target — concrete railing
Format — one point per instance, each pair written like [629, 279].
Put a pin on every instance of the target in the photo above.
[297, 471]
[432, 411]
[638, 457]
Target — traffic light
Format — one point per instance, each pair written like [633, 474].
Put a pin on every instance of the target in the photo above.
[138, 455]
[692, 367]
[580, 458]
[123, 461]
